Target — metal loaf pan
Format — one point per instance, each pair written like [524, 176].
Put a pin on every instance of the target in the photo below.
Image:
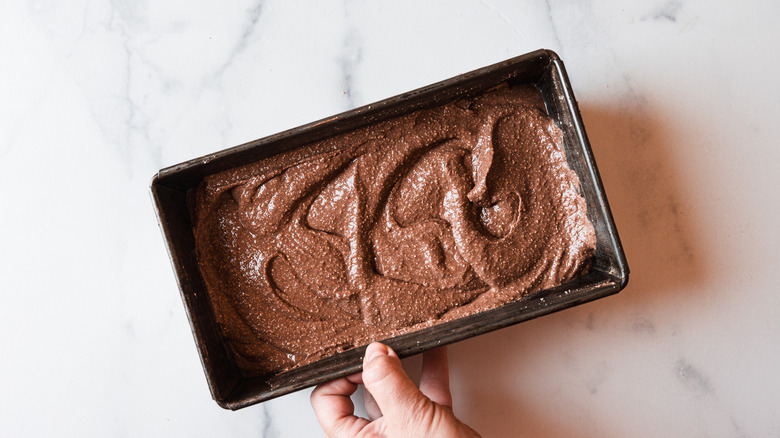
[172, 187]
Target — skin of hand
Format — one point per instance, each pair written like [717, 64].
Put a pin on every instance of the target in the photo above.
[395, 406]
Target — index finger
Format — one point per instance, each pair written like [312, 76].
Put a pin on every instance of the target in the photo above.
[335, 410]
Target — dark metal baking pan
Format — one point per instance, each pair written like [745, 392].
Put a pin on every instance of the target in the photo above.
[172, 188]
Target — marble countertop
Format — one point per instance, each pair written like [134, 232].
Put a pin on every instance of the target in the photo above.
[679, 98]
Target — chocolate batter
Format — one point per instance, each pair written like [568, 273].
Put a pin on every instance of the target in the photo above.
[425, 218]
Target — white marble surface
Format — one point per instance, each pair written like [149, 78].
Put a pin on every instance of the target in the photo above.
[680, 99]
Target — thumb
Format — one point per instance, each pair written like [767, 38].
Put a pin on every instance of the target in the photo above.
[396, 395]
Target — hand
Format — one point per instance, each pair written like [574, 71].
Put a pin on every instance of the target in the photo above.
[395, 406]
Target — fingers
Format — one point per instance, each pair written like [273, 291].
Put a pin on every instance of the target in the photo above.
[372, 409]
[404, 409]
[435, 377]
[396, 395]
[334, 409]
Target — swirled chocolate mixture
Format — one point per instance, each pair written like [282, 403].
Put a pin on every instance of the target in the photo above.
[425, 218]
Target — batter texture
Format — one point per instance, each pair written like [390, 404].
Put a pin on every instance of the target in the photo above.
[424, 218]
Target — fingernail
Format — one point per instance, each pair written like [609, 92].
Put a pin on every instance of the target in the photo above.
[375, 350]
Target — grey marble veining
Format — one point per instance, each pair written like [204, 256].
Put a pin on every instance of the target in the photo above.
[679, 101]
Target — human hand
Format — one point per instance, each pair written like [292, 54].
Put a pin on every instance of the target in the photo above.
[396, 408]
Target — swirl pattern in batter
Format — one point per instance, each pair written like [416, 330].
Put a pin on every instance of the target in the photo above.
[424, 218]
